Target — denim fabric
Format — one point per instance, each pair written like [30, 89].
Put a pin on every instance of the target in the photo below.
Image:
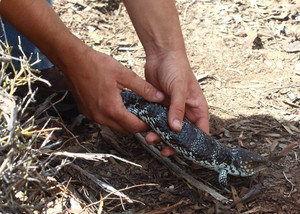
[27, 46]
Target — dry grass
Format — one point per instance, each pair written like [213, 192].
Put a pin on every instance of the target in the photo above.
[24, 132]
[31, 151]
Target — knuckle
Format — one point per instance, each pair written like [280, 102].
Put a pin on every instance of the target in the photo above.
[111, 112]
[179, 109]
[99, 119]
[133, 130]
[194, 102]
[148, 90]
[137, 127]
[101, 115]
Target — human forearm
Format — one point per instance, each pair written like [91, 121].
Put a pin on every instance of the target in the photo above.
[39, 23]
[157, 25]
[95, 79]
[167, 66]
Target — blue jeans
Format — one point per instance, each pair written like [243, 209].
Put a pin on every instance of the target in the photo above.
[28, 48]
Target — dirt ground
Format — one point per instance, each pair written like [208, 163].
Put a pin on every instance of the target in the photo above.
[246, 58]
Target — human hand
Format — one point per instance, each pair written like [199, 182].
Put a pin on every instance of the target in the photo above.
[96, 81]
[172, 74]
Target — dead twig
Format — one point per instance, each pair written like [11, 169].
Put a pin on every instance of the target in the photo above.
[278, 88]
[6, 161]
[186, 9]
[89, 156]
[102, 199]
[286, 178]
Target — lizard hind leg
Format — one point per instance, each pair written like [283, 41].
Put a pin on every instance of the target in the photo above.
[223, 180]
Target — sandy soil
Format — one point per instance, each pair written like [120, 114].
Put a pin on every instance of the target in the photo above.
[238, 51]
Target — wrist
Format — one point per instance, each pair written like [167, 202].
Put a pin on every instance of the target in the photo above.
[166, 54]
[164, 46]
[70, 54]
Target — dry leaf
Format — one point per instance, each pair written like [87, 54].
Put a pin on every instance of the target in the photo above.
[292, 47]
[293, 30]
[268, 140]
[167, 209]
[280, 17]
[236, 199]
[287, 149]
[288, 129]
[252, 35]
[7, 103]
[274, 145]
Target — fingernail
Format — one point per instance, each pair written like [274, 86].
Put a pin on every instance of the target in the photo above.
[159, 95]
[177, 124]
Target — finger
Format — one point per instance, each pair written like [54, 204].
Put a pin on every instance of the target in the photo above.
[142, 87]
[197, 111]
[108, 121]
[152, 138]
[177, 108]
[168, 151]
[129, 121]
[203, 124]
[118, 117]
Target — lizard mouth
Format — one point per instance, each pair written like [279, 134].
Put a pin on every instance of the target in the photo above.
[252, 168]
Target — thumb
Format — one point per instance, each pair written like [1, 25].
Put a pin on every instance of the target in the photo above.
[177, 106]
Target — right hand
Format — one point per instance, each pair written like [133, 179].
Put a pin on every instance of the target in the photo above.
[96, 81]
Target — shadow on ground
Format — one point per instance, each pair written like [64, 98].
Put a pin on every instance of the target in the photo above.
[260, 133]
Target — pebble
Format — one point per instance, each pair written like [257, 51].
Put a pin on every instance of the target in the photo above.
[297, 67]
[172, 187]
[292, 97]
[268, 63]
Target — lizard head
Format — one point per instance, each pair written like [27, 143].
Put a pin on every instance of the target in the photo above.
[248, 163]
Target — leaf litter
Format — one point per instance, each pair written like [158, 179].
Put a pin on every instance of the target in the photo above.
[250, 79]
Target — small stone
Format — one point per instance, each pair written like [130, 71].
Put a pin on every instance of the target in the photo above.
[279, 64]
[269, 63]
[292, 97]
[297, 68]
[196, 21]
[91, 29]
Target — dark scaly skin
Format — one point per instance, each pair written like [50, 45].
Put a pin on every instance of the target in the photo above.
[194, 144]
